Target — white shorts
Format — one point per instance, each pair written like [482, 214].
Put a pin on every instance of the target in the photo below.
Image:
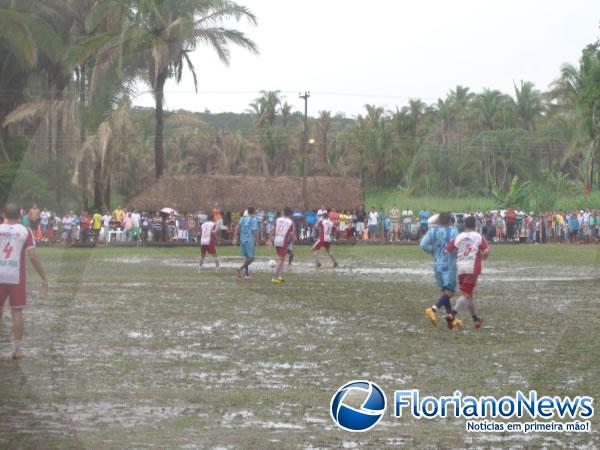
[360, 227]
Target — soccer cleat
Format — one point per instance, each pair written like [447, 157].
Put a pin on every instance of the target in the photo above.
[277, 281]
[318, 265]
[478, 323]
[247, 277]
[430, 314]
[335, 264]
[238, 272]
[17, 355]
[456, 323]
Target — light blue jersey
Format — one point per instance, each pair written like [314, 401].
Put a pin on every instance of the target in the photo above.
[434, 242]
[248, 226]
[444, 264]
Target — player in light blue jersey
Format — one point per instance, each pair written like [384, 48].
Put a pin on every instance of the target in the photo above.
[434, 242]
[247, 231]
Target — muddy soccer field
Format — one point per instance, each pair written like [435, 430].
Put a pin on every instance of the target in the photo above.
[137, 348]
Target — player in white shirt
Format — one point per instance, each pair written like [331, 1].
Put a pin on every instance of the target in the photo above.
[326, 229]
[407, 216]
[208, 237]
[471, 248]
[283, 235]
[16, 241]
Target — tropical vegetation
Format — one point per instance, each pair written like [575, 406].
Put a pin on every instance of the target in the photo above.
[70, 135]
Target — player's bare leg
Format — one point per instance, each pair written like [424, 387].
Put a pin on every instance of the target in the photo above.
[17, 321]
[335, 263]
[216, 261]
[315, 254]
[278, 278]
[201, 261]
[467, 300]
[244, 269]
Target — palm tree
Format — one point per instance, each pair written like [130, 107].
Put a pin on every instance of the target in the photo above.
[528, 104]
[576, 95]
[489, 105]
[165, 32]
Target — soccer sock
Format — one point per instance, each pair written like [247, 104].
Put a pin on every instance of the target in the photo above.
[471, 306]
[291, 257]
[18, 346]
[444, 301]
[460, 303]
[476, 318]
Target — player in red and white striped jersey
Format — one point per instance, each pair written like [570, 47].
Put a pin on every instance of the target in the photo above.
[471, 249]
[16, 241]
[283, 234]
[326, 230]
[208, 237]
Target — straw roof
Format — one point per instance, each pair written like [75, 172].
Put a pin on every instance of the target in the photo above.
[193, 192]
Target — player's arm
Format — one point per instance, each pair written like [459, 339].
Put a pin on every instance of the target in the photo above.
[426, 245]
[37, 265]
[484, 248]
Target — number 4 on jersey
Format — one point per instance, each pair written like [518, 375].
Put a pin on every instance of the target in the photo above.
[8, 249]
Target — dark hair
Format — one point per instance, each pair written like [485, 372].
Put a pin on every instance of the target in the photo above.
[287, 211]
[251, 210]
[12, 212]
[444, 219]
[470, 223]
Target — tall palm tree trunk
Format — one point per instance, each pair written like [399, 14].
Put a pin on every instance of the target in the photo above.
[159, 152]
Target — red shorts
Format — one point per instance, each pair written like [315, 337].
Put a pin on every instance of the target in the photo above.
[15, 293]
[322, 244]
[467, 283]
[282, 251]
[210, 249]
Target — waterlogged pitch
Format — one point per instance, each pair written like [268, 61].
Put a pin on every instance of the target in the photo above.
[137, 348]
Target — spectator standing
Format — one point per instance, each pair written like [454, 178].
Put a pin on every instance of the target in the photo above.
[407, 216]
[44, 222]
[373, 223]
[423, 222]
[157, 227]
[34, 218]
[510, 218]
[360, 223]
[85, 222]
[298, 219]
[395, 222]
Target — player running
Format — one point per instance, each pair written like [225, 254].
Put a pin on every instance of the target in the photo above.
[326, 229]
[434, 242]
[247, 231]
[471, 249]
[208, 237]
[283, 236]
[16, 241]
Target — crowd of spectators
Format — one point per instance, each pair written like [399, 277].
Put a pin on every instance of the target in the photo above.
[395, 225]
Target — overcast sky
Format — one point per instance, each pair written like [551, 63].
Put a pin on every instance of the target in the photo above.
[348, 53]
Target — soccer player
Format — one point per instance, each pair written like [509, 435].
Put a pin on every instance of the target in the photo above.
[444, 267]
[326, 230]
[247, 231]
[471, 249]
[16, 241]
[282, 237]
[208, 237]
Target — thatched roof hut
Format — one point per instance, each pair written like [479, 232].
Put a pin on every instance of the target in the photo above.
[192, 192]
